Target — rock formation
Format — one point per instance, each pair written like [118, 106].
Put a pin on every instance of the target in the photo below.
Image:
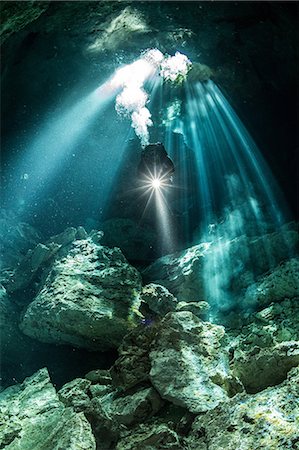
[88, 299]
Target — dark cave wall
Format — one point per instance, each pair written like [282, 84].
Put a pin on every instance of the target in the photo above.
[251, 47]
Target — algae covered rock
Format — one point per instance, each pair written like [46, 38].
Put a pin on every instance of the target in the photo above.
[267, 420]
[265, 350]
[150, 437]
[133, 364]
[88, 299]
[189, 366]
[158, 299]
[75, 394]
[16, 238]
[224, 268]
[281, 283]
[31, 416]
[180, 273]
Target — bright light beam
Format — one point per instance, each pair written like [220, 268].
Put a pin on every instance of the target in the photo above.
[57, 138]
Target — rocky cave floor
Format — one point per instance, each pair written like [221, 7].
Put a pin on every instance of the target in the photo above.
[183, 377]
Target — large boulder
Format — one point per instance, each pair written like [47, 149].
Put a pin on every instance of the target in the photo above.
[89, 299]
[35, 264]
[16, 238]
[268, 420]
[189, 366]
[219, 271]
[181, 273]
[281, 283]
[31, 416]
[264, 350]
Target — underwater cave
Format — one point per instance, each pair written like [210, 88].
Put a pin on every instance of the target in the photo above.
[149, 225]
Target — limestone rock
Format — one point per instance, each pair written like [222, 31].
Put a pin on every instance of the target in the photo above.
[199, 309]
[66, 237]
[33, 417]
[133, 365]
[221, 267]
[30, 265]
[180, 273]
[150, 437]
[75, 394]
[265, 348]
[158, 299]
[189, 366]
[137, 407]
[16, 238]
[100, 376]
[260, 368]
[268, 420]
[281, 283]
[88, 299]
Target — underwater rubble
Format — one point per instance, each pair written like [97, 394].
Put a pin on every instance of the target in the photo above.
[184, 378]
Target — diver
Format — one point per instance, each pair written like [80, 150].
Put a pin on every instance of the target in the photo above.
[156, 163]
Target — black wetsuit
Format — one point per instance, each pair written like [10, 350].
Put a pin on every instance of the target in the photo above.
[155, 162]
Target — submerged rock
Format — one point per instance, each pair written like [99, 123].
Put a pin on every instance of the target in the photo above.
[133, 365]
[75, 394]
[31, 416]
[267, 420]
[158, 299]
[16, 238]
[150, 437]
[199, 309]
[36, 261]
[30, 265]
[219, 271]
[262, 367]
[180, 272]
[88, 299]
[266, 349]
[189, 366]
[281, 283]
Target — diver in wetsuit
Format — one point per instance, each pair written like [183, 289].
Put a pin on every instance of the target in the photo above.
[156, 163]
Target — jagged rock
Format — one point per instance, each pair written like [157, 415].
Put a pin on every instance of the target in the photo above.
[281, 283]
[135, 242]
[33, 417]
[136, 407]
[88, 299]
[158, 299]
[199, 309]
[189, 366]
[75, 394]
[220, 267]
[264, 350]
[37, 259]
[66, 237]
[100, 376]
[14, 346]
[150, 437]
[100, 390]
[268, 420]
[133, 365]
[105, 428]
[263, 367]
[15, 16]
[30, 265]
[16, 238]
[181, 273]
